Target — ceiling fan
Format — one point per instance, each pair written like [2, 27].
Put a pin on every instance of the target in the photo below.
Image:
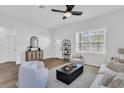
[68, 12]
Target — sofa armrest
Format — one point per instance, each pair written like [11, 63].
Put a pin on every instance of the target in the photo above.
[97, 82]
[104, 69]
[103, 65]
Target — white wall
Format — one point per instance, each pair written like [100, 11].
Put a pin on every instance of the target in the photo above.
[1, 56]
[50, 41]
[113, 23]
[23, 33]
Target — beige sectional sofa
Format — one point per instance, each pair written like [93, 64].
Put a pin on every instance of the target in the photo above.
[110, 76]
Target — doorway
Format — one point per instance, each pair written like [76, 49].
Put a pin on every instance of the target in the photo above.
[9, 48]
[8, 45]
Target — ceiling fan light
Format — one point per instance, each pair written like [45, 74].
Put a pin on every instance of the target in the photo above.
[67, 14]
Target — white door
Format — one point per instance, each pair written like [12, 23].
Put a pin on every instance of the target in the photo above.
[9, 48]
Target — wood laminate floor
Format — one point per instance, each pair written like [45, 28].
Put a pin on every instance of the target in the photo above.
[9, 71]
[8, 74]
[53, 62]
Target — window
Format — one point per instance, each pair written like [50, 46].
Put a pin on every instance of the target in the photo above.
[91, 41]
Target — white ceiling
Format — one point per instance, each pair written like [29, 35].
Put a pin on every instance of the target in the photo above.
[44, 17]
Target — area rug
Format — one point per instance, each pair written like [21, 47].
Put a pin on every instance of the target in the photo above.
[83, 81]
[53, 62]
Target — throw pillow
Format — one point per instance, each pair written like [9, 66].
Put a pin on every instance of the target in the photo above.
[121, 75]
[115, 83]
[121, 61]
[116, 66]
[107, 79]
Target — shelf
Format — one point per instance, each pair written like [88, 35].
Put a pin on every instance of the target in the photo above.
[66, 49]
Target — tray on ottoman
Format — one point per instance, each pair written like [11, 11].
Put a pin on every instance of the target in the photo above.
[69, 72]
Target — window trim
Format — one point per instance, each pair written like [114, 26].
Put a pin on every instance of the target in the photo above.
[89, 51]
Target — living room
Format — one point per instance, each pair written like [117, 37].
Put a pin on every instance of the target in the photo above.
[20, 23]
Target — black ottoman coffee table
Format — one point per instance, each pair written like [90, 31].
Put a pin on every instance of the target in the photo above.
[69, 72]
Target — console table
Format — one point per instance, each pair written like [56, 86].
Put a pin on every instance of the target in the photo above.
[34, 55]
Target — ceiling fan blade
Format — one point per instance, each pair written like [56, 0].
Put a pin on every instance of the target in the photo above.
[76, 12]
[54, 10]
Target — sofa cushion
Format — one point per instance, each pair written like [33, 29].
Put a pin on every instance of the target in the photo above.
[116, 66]
[107, 79]
[121, 75]
[115, 83]
[121, 61]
